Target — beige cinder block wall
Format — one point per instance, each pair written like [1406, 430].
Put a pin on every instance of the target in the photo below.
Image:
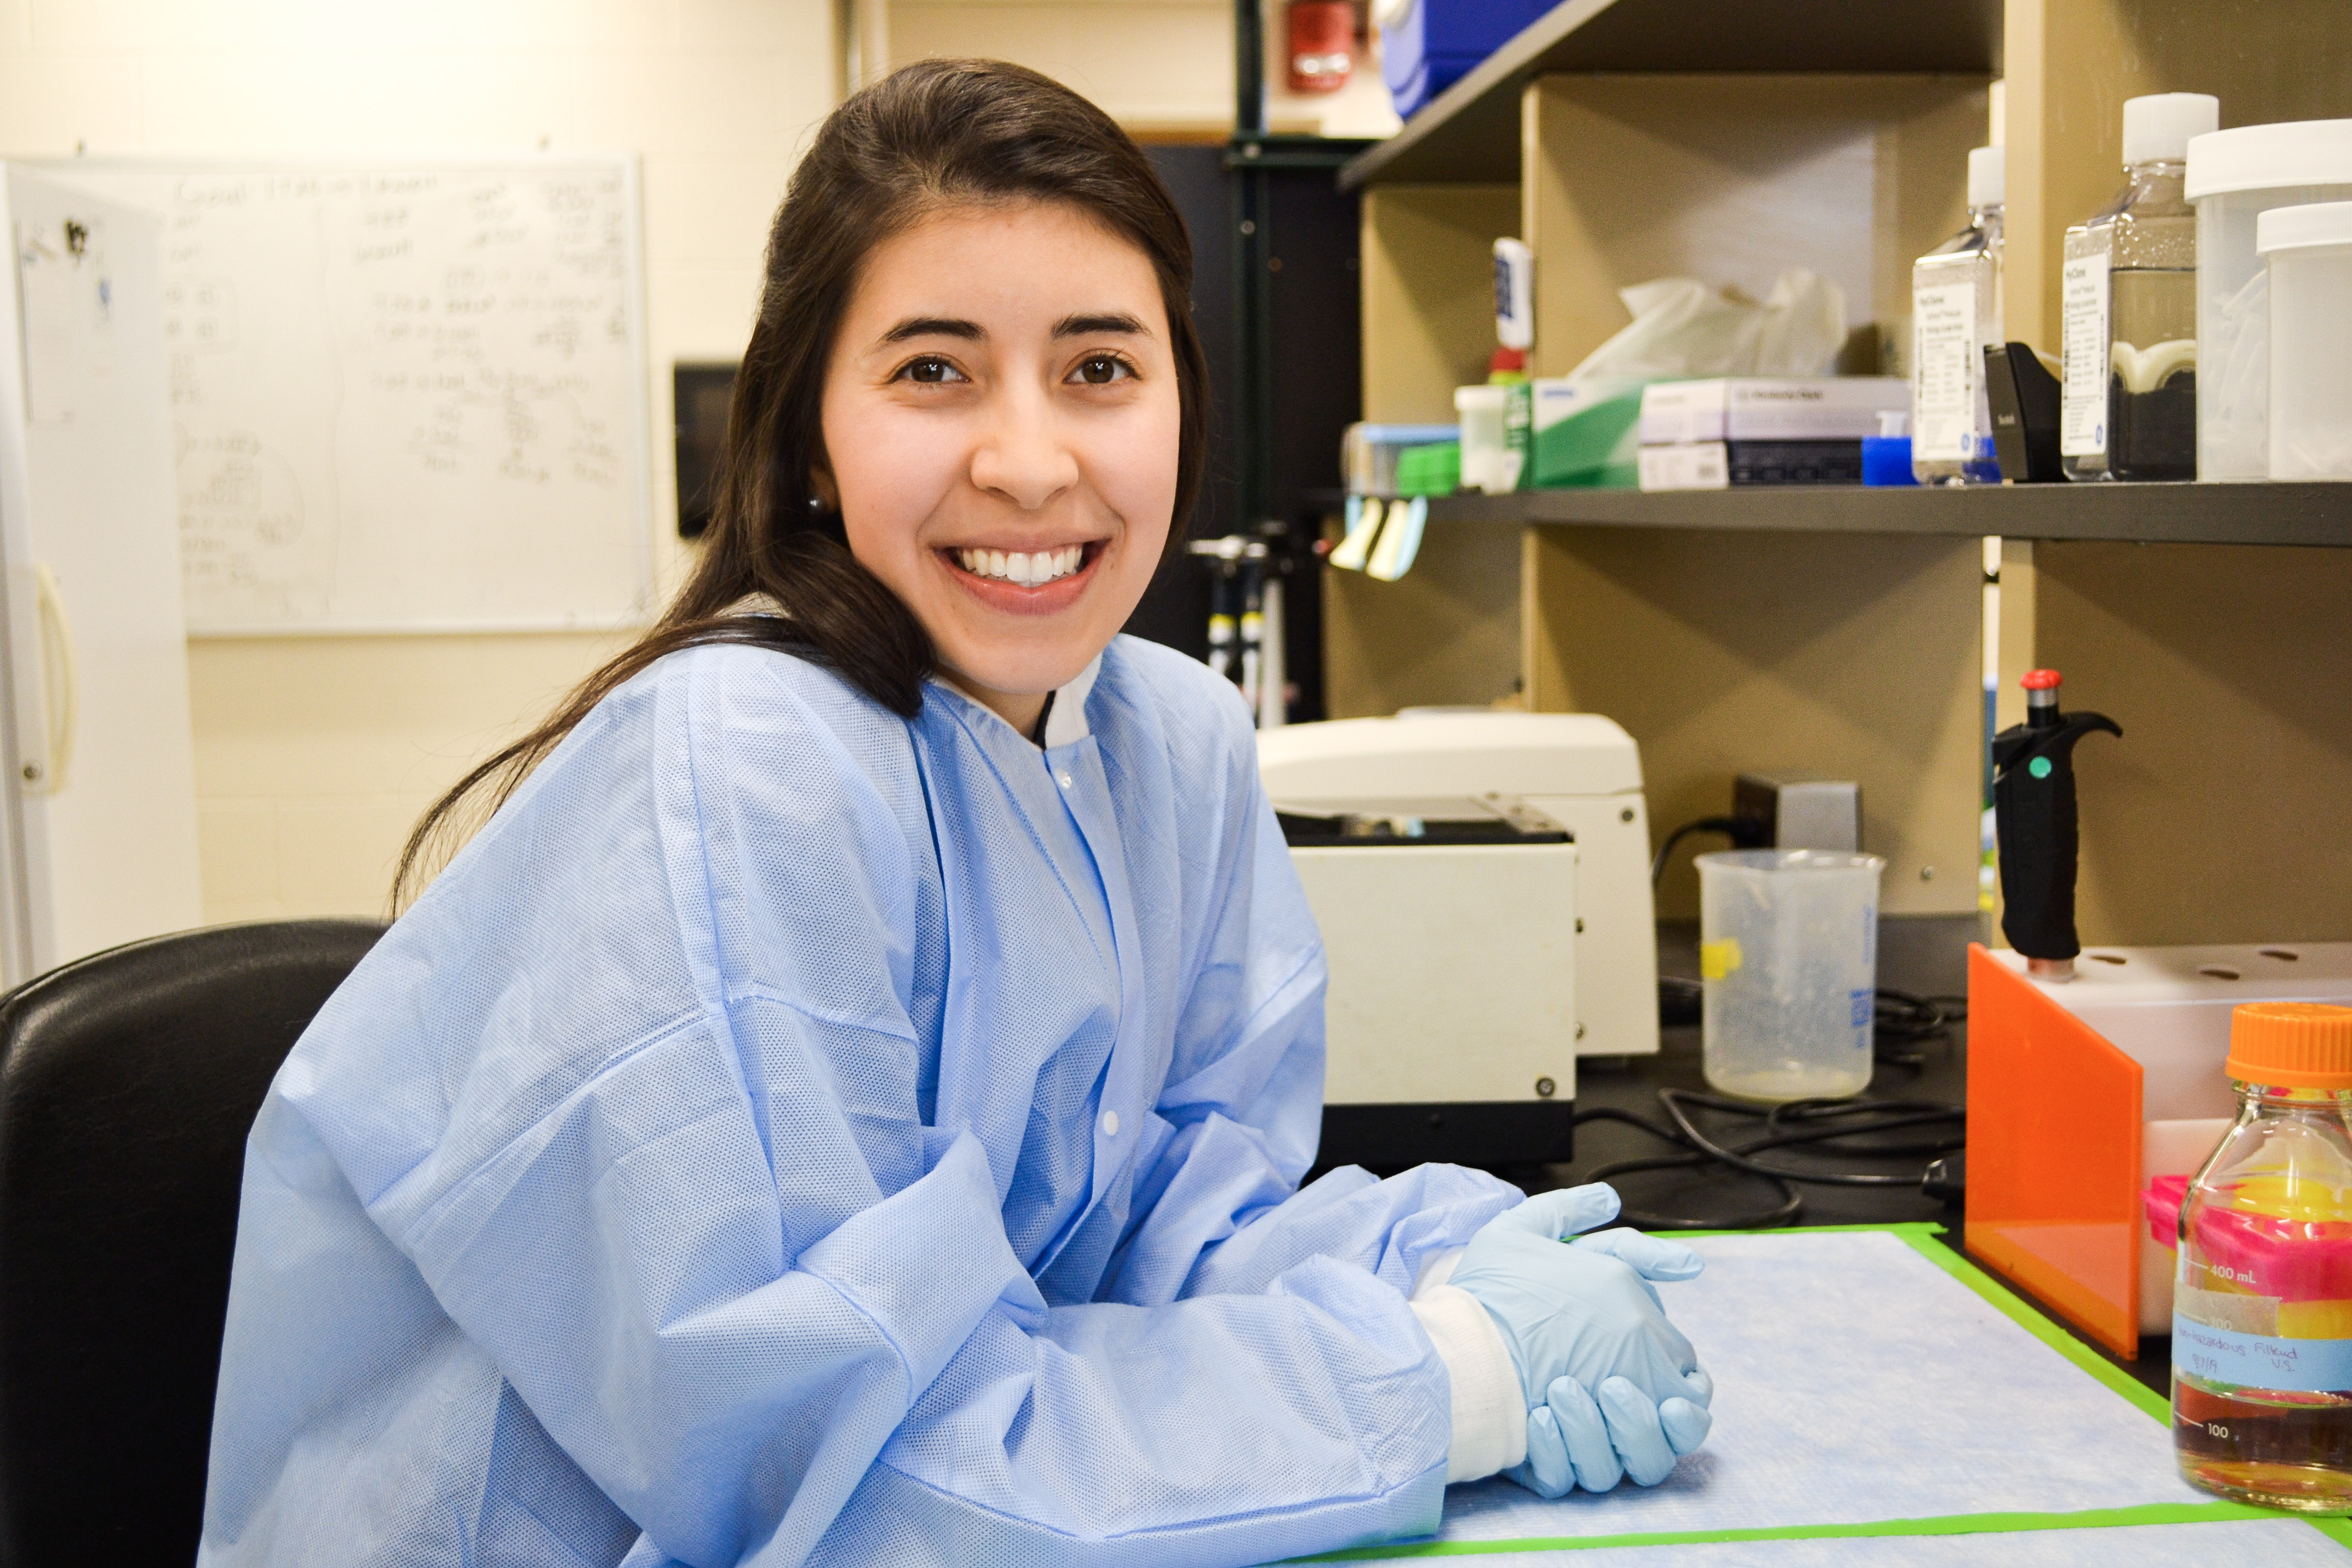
[314, 754]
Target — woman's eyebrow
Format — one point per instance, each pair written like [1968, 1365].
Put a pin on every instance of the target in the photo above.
[1087, 326]
[934, 327]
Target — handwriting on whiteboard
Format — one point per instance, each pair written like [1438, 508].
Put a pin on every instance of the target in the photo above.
[403, 398]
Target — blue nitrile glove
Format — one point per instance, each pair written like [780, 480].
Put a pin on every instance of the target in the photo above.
[1612, 1388]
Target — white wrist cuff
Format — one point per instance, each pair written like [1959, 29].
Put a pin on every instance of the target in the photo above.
[1437, 1269]
[1490, 1414]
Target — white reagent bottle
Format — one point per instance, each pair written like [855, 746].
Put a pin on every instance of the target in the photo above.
[1955, 313]
[2127, 292]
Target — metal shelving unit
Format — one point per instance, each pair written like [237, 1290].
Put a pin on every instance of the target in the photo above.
[2305, 514]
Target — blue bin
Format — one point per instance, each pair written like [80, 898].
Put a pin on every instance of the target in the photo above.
[1441, 41]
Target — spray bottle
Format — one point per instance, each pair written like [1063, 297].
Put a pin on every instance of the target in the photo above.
[2033, 817]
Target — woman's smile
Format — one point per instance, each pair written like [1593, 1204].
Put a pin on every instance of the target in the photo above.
[1038, 580]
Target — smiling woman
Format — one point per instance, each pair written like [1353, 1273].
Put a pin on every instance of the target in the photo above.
[1008, 467]
[847, 1104]
[953, 175]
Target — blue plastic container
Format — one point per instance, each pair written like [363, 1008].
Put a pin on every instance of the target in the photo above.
[1887, 460]
[1441, 41]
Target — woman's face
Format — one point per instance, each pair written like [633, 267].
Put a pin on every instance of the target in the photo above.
[1001, 427]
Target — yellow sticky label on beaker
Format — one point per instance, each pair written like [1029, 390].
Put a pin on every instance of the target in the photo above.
[1717, 959]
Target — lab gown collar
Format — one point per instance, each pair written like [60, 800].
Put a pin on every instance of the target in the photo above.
[1066, 721]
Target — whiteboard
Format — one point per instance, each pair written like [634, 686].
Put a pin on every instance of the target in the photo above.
[406, 395]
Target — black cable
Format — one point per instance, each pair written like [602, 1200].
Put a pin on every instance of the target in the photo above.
[1899, 1019]
[1798, 1124]
[1731, 827]
[1788, 1211]
[1673, 1100]
[1792, 1203]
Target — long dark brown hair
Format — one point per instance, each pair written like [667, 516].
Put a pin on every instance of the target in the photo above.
[938, 134]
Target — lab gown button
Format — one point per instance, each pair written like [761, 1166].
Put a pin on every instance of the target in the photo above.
[1110, 1123]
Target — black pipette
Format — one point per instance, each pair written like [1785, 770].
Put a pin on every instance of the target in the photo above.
[2033, 816]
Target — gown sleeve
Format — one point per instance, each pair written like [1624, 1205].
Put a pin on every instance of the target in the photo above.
[689, 1206]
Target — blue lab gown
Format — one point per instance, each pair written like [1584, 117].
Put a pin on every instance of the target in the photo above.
[793, 1133]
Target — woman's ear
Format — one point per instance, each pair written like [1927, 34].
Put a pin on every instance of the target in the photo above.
[821, 482]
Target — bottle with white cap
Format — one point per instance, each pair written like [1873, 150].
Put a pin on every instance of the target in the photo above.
[2128, 296]
[1955, 313]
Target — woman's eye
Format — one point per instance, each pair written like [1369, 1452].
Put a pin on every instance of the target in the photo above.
[1101, 370]
[930, 370]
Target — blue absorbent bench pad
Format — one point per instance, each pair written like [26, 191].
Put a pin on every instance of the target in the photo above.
[1859, 1382]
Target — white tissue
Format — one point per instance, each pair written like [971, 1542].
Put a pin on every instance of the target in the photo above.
[1683, 328]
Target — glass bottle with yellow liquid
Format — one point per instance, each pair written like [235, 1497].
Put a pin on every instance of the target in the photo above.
[2261, 1329]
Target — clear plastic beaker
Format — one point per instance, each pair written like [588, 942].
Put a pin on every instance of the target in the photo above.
[1789, 954]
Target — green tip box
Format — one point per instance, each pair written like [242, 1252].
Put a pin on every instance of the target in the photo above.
[1430, 469]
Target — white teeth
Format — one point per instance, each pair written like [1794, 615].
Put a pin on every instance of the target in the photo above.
[1023, 567]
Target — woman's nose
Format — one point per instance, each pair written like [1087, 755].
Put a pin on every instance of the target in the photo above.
[1023, 457]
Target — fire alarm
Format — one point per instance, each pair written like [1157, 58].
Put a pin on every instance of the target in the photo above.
[1322, 36]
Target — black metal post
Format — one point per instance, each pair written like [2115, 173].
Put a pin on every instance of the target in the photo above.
[1249, 70]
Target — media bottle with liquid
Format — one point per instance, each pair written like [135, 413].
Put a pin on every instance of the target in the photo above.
[1955, 314]
[2128, 301]
[2262, 1326]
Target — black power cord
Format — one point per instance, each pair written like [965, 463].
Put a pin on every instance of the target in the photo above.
[1745, 833]
[1901, 1020]
[1798, 1123]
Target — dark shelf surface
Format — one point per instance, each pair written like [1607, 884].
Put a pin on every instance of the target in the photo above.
[1471, 133]
[2292, 514]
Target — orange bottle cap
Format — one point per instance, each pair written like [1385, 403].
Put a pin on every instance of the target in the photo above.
[2294, 1045]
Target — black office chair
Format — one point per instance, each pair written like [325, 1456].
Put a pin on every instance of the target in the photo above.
[128, 1082]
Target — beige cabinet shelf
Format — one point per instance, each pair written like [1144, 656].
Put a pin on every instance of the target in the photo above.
[1841, 630]
[2306, 514]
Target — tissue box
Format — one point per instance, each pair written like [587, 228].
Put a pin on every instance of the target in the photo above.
[1583, 435]
[1759, 408]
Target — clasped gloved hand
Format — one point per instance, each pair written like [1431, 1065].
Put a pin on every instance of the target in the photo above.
[1612, 1388]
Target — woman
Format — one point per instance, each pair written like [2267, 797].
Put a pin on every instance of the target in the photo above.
[846, 1106]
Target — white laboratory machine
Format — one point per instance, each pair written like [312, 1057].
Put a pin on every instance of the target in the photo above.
[1482, 880]
[97, 799]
